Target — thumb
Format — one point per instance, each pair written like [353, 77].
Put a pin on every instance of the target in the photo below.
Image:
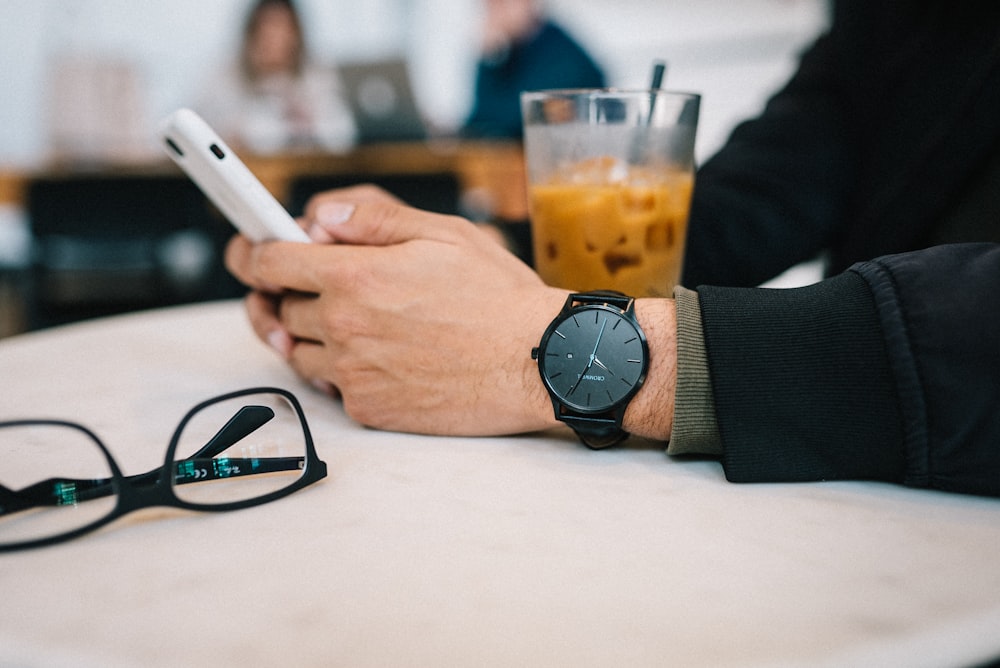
[371, 223]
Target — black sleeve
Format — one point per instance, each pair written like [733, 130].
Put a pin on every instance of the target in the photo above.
[890, 371]
[781, 188]
[773, 195]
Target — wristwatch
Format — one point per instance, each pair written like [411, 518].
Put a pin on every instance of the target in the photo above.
[593, 358]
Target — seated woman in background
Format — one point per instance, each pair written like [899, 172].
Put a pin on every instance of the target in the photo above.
[275, 99]
[522, 50]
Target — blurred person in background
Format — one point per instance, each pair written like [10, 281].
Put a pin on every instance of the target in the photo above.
[521, 50]
[275, 98]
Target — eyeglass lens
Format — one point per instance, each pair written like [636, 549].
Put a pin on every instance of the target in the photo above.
[54, 479]
[239, 449]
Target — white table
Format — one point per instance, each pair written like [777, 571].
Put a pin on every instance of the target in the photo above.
[423, 551]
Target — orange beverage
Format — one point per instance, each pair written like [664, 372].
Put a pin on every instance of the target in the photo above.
[626, 234]
[610, 175]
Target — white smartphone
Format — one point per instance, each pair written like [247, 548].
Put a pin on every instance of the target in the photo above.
[225, 180]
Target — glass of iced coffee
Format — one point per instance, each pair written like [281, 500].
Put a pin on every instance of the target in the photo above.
[610, 174]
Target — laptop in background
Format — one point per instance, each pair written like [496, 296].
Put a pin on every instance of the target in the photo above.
[381, 98]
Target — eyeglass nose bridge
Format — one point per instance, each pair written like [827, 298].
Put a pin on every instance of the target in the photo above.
[145, 490]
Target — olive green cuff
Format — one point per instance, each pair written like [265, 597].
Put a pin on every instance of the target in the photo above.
[696, 428]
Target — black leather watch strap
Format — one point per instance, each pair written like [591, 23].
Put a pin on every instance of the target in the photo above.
[596, 432]
[616, 299]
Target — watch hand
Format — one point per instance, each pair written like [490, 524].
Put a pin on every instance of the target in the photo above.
[579, 376]
[599, 363]
[590, 362]
[600, 335]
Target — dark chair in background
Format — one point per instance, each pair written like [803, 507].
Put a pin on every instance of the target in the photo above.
[110, 244]
[432, 191]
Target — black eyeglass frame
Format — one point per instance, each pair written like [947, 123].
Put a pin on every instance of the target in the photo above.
[136, 493]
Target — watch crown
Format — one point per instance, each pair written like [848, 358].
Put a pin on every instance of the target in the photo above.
[534, 353]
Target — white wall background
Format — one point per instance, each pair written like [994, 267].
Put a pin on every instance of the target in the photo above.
[734, 52]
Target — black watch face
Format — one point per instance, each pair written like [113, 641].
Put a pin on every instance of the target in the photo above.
[593, 359]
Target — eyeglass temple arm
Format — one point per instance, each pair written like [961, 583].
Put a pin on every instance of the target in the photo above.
[246, 421]
[198, 470]
[53, 492]
[199, 467]
[71, 491]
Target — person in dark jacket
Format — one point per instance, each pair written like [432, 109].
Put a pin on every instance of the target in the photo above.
[886, 139]
[888, 370]
[522, 50]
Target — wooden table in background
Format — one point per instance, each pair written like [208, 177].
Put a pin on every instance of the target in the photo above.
[492, 172]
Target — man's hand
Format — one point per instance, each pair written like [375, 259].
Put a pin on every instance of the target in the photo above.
[420, 321]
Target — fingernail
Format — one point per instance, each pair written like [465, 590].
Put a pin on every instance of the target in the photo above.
[331, 214]
[323, 386]
[319, 234]
[281, 342]
[269, 289]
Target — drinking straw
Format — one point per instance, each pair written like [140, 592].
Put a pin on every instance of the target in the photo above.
[640, 139]
[659, 71]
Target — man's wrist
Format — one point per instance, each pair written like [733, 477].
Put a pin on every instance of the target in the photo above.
[651, 412]
[538, 404]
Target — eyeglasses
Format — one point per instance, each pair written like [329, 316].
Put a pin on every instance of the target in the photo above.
[234, 451]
